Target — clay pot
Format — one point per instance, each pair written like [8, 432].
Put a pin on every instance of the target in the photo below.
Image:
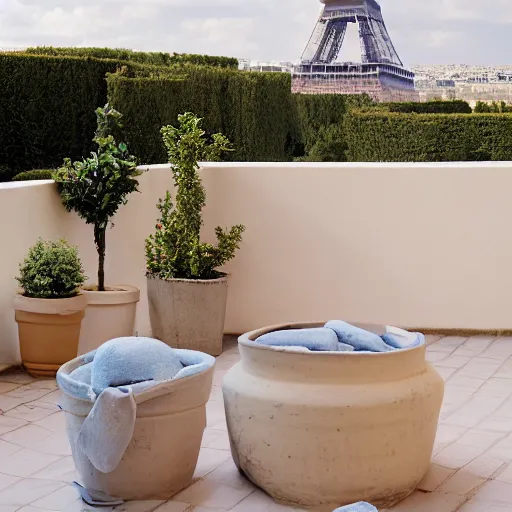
[189, 314]
[49, 330]
[109, 315]
[318, 429]
[162, 455]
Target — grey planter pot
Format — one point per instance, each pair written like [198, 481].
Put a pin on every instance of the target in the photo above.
[188, 314]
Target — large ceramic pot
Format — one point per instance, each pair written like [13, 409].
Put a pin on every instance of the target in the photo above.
[49, 330]
[109, 315]
[188, 314]
[163, 452]
[318, 428]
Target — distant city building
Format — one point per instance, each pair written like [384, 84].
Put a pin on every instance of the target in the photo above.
[350, 52]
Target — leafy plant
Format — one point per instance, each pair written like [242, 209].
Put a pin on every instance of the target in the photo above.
[96, 187]
[175, 249]
[51, 270]
[37, 174]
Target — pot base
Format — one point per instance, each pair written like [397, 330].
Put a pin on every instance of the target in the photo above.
[41, 370]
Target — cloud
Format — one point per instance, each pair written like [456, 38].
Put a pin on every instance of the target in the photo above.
[444, 31]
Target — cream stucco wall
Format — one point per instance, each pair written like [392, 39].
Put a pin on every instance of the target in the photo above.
[425, 245]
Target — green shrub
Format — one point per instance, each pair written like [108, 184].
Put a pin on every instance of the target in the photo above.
[38, 174]
[47, 108]
[252, 109]
[392, 137]
[154, 58]
[51, 270]
[6, 173]
[175, 250]
[495, 107]
[430, 107]
[96, 187]
[330, 145]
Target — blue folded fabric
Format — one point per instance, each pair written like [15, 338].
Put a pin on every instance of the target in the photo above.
[362, 506]
[401, 342]
[358, 338]
[317, 339]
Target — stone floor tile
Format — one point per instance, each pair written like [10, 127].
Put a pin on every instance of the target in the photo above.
[8, 402]
[465, 382]
[500, 349]
[25, 463]
[225, 362]
[506, 475]
[435, 476]
[17, 376]
[473, 346]
[7, 449]
[28, 393]
[495, 387]
[139, 506]
[502, 450]
[474, 411]
[218, 377]
[456, 456]
[7, 481]
[481, 368]
[216, 394]
[505, 370]
[49, 401]
[210, 459]
[8, 424]
[451, 341]
[6, 387]
[227, 473]
[446, 373]
[434, 357]
[61, 499]
[174, 506]
[27, 491]
[430, 502]
[29, 412]
[30, 508]
[449, 433]
[499, 492]
[260, 502]
[476, 505]
[50, 384]
[55, 422]
[453, 362]
[27, 435]
[462, 483]
[496, 423]
[214, 494]
[216, 415]
[62, 471]
[432, 338]
[485, 466]
[217, 439]
[480, 438]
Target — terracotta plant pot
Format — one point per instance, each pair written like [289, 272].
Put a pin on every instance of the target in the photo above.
[162, 455]
[189, 314]
[49, 330]
[329, 429]
[109, 315]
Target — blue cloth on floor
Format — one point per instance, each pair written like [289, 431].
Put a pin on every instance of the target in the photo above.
[398, 341]
[358, 338]
[362, 506]
[318, 339]
[112, 377]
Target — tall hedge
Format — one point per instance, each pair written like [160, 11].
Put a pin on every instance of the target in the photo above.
[252, 109]
[47, 108]
[392, 137]
[154, 58]
[430, 107]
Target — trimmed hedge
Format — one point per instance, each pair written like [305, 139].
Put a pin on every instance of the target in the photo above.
[153, 58]
[37, 174]
[430, 107]
[47, 108]
[251, 109]
[391, 137]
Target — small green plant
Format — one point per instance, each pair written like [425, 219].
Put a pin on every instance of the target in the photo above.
[37, 174]
[175, 249]
[96, 187]
[51, 270]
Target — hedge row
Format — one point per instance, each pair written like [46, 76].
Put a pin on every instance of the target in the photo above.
[392, 137]
[252, 109]
[37, 174]
[47, 108]
[430, 107]
[154, 58]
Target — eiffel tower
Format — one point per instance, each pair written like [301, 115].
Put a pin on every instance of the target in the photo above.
[376, 69]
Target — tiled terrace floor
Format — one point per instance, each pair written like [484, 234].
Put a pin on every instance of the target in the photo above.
[471, 470]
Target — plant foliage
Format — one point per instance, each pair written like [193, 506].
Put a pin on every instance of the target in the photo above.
[37, 174]
[51, 270]
[175, 249]
[430, 107]
[97, 186]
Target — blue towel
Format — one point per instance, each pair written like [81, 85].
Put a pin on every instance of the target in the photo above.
[112, 377]
[319, 339]
[397, 341]
[362, 506]
[358, 338]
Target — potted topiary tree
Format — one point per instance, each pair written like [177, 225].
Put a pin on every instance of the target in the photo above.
[187, 294]
[50, 309]
[95, 188]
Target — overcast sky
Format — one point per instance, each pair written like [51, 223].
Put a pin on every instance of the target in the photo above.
[424, 32]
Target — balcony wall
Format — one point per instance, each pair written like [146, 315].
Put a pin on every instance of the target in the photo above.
[415, 245]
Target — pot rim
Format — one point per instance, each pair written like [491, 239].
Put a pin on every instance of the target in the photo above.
[127, 294]
[224, 277]
[248, 340]
[65, 306]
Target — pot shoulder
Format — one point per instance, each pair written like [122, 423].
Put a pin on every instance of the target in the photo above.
[119, 294]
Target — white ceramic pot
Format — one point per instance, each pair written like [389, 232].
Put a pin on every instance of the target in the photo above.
[109, 315]
[318, 429]
[162, 455]
[188, 314]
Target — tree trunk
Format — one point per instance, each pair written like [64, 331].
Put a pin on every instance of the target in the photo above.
[99, 240]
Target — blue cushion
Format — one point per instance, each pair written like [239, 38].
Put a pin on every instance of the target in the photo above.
[358, 338]
[319, 339]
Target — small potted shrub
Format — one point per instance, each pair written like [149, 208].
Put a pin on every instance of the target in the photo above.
[49, 309]
[95, 188]
[186, 291]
